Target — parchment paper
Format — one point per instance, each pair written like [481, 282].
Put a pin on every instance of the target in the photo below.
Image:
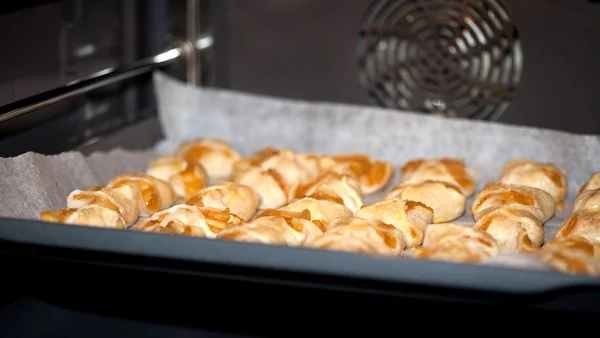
[31, 183]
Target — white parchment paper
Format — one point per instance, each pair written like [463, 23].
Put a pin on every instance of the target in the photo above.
[31, 183]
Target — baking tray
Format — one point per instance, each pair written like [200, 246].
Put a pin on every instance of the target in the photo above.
[296, 267]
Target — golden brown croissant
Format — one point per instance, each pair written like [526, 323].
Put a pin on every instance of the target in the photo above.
[574, 255]
[210, 220]
[295, 227]
[593, 183]
[214, 155]
[372, 175]
[255, 160]
[446, 200]
[513, 228]
[545, 176]
[253, 234]
[122, 200]
[587, 199]
[293, 167]
[152, 193]
[323, 204]
[584, 223]
[456, 243]
[447, 170]
[94, 215]
[359, 235]
[343, 185]
[533, 200]
[272, 188]
[174, 227]
[241, 200]
[411, 218]
[185, 177]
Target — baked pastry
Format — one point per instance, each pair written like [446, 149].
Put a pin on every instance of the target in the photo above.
[456, 243]
[255, 160]
[573, 255]
[216, 156]
[323, 204]
[536, 201]
[352, 234]
[447, 170]
[121, 199]
[240, 199]
[372, 175]
[293, 167]
[94, 215]
[446, 200]
[584, 223]
[210, 220]
[545, 176]
[593, 183]
[587, 199]
[174, 227]
[253, 234]
[513, 228]
[185, 177]
[153, 194]
[411, 218]
[272, 188]
[295, 227]
[344, 186]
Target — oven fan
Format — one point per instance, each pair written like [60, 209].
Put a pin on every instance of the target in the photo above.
[448, 57]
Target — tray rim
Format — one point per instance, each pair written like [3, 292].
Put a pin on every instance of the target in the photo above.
[476, 278]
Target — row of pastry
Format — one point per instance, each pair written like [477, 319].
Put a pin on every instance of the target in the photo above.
[576, 246]
[268, 179]
[287, 198]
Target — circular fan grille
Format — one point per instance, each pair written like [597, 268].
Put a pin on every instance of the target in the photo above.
[450, 57]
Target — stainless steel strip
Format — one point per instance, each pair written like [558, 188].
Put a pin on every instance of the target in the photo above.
[97, 80]
[192, 32]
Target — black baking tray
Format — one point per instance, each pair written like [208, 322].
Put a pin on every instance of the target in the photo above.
[55, 246]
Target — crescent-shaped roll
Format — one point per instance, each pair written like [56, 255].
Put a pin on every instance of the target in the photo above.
[174, 227]
[185, 177]
[449, 170]
[294, 168]
[152, 194]
[533, 200]
[372, 175]
[446, 200]
[272, 188]
[380, 238]
[210, 220]
[343, 185]
[593, 183]
[411, 218]
[545, 176]
[323, 204]
[93, 215]
[573, 255]
[584, 223]
[253, 234]
[587, 199]
[240, 199]
[255, 160]
[456, 243]
[513, 228]
[340, 242]
[295, 227]
[122, 200]
[214, 155]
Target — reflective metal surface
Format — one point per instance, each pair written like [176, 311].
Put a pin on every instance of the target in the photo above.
[97, 80]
